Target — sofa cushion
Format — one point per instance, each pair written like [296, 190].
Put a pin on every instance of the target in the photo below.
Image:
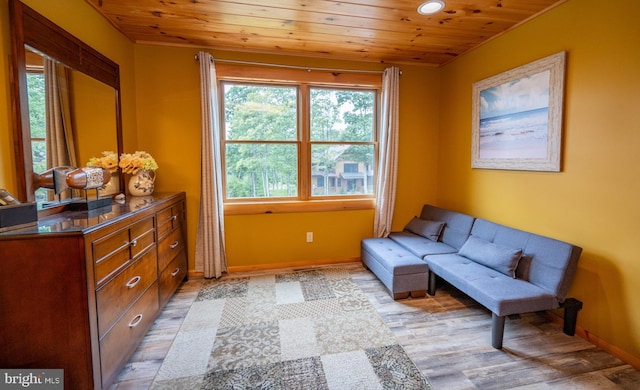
[425, 228]
[457, 226]
[548, 263]
[419, 245]
[498, 257]
[494, 290]
[394, 258]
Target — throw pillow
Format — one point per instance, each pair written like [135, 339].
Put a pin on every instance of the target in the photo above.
[498, 257]
[425, 228]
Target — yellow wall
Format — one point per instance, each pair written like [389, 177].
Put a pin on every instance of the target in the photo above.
[593, 201]
[168, 103]
[94, 117]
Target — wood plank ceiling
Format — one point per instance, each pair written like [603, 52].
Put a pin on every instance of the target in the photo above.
[385, 31]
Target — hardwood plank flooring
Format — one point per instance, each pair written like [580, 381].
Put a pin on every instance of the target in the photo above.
[448, 336]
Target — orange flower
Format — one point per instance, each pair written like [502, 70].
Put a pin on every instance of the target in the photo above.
[109, 160]
[140, 160]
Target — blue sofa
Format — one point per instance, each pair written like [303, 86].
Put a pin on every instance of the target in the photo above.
[508, 271]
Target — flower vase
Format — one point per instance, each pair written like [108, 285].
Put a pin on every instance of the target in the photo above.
[141, 183]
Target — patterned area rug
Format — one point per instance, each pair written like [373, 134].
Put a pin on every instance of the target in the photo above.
[310, 329]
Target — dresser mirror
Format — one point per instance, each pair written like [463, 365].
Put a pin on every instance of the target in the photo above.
[87, 86]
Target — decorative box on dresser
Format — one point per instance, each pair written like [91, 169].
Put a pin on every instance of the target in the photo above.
[80, 290]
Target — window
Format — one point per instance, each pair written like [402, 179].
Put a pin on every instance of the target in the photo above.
[37, 120]
[37, 124]
[342, 141]
[301, 141]
[261, 148]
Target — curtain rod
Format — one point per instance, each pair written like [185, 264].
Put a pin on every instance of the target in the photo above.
[307, 68]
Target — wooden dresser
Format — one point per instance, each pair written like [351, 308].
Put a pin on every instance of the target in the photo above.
[80, 290]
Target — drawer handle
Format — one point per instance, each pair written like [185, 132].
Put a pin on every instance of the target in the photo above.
[175, 271]
[174, 245]
[135, 321]
[135, 280]
[174, 217]
[134, 242]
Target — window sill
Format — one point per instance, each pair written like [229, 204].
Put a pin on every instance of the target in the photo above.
[298, 206]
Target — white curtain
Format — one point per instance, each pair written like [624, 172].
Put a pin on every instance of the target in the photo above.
[388, 153]
[60, 147]
[210, 241]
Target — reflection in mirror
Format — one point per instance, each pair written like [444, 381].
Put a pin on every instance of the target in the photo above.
[52, 133]
[37, 114]
[81, 122]
[71, 116]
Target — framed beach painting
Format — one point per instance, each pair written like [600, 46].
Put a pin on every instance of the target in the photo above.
[517, 117]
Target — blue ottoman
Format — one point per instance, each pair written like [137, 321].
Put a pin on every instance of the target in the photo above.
[403, 273]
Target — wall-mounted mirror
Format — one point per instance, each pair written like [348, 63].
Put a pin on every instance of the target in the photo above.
[86, 86]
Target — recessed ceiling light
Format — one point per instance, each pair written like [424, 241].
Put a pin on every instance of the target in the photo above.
[430, 7]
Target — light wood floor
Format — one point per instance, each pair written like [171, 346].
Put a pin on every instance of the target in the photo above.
[448, 336]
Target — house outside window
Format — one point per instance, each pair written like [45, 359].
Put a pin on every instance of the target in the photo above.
[298, 141]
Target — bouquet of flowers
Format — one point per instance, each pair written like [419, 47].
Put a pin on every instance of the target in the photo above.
[109, 160]
[133, 162]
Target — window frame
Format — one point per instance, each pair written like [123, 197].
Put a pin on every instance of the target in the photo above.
[303, 80]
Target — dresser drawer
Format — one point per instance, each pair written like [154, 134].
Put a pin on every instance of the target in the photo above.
[121, 341]
[170, 218]
[115, 297]
[110, 254]
[172, 276]
[169, 247]
[113, 252]
[142, 236]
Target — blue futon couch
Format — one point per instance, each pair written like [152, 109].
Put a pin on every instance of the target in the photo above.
[508, 271]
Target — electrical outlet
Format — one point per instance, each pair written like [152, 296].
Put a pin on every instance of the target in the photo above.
[309, 236]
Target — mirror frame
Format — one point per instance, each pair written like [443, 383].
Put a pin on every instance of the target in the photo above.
[30, 28]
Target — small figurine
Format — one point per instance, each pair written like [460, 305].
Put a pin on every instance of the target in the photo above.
[53, 179]
[62, 178]
[88, 178]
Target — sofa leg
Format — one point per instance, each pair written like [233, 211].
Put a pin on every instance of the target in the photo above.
[571, 307]
[497, 330]
[432, 283]
[402, 295]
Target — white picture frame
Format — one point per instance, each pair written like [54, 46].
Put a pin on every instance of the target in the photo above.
[517, 117]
